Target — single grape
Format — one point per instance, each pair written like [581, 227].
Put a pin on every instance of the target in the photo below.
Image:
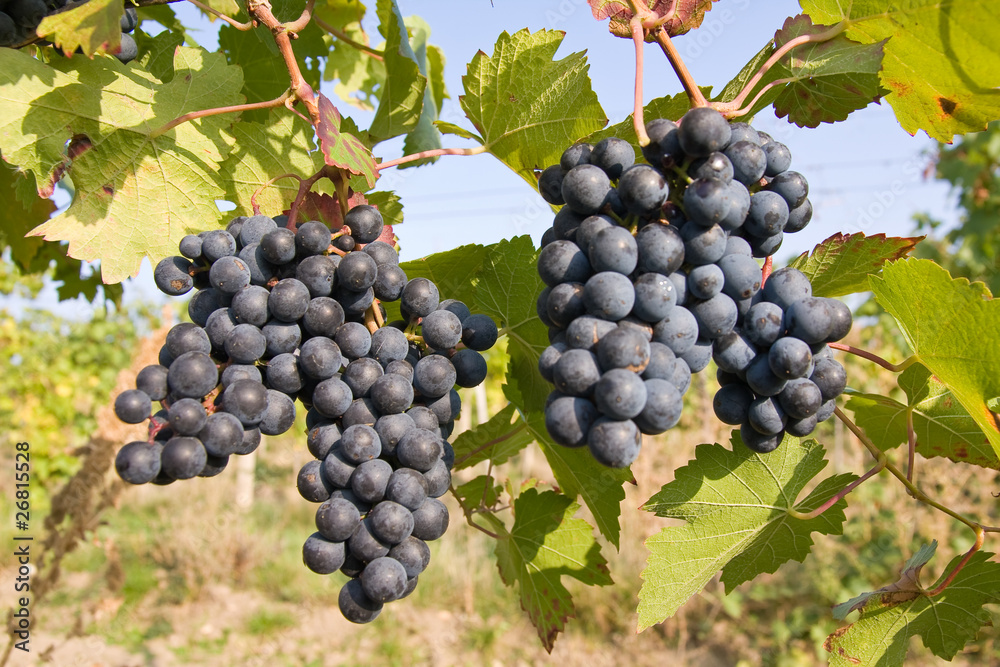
[741, 276]
[420, 297]
[732, 403]
[355, 605]
[320, 358]
[322, 555]
[563, 262]
[768, 214]
[222, 434]
[353, 340]
[190, 246]
[704, 282]
[442, 330]
[706, 201]
[575, 155]
[365, 223]
[152, 381]
[585, 188]
[703, 245]
[609, 295]
[187, 416]
[702, 131]
[133, 406]
[643, 190]
[419, 449]
[413, 554]
[430, 520]
[568, 420]
[779, 158]
[733, 352]
[766, 416]
[383, 580]
[613, 249]
[800, 398]
[281, 338]
[172, 276]
[283, 374]
[245, 344]
[715, 316]
[192, 375]
[576, 373]
[183, 458]
[550, 185]
[762, 379]
[278, 246]
[390, 522]
[663, 407]
[584, 332]
[758, 442]
[479, 332]
[331, 397]
[280, 414]
[809, 319]
[249, 306]
[764, 323]
[748, 160]
[138, 462]
[217, 244]
[318, 274]
[391, 394]
[799, 217]
[830, 377]
[312, 238]
[370, 479]
[623, 348]
[614, 443]
[406, 487]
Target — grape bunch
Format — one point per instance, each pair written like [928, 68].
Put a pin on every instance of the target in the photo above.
[650, 273]
[20, 18]
[281, 316]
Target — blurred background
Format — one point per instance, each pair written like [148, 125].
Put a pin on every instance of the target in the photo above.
[210, 573]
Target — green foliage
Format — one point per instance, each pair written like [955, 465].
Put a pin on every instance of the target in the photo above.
[942, 426]
[960, 344]
[93, 27]
[841, 264]
[527, 121]
[737, 507]
[401, 97]
[892, 615]
[544, 544]
[927, 41]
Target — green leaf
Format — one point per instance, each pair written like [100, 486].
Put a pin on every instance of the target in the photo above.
[283, 144]
[941, 61]
[453, 271]
[156, 54]
[425, 136]
[20, 217]
[507, 289]
[953, 328]
[736, 504]
[942, 426]
[829, 79]
[481, 491]
[892, 616]
[357, 73]
[527, 121]
[341, 149]
[579, 475]
[502, 437]
[93, 27]
[136, 194]
[451, 128]
[402, 94]
[841, 264]
[544, 544]
[680, 16]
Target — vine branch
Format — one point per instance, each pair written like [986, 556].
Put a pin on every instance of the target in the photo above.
[639, 39]
[342, 36]
[680, 69]
[805, 516]
[434, 152]
[231, 21]
[871, 356]
[218, 111]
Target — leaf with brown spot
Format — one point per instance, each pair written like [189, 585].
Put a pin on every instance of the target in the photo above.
[681, 15]
[893, 615]
[942, 426]
[841, 264]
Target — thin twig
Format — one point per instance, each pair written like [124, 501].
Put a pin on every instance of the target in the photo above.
[670, 51]
[300, 23]
[342, 36]
[434, 152]
[639, 38]
[260, 10]
[204, 113]
[468, 516]
[976, 546]
[805, 516]
[778, 54]
[765, 271]
[870, 356]
[729, 113]
[231, 21]
[305, 185]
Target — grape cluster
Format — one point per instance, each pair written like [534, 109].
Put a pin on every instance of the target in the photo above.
[280, 316]
[20, 18]
[650, 273]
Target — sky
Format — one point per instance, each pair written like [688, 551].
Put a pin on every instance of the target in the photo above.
[865, 174]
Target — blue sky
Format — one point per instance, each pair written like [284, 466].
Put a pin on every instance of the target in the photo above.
[865, 174]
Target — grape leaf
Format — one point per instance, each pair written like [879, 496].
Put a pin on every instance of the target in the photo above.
[425, 136]
[453, 271]
[401, 96]
[827, 80]
[578, 474]
[952, 327]
[507, 289]
[93, 26]
[283, 144]
[735, 503]
[945, 622]
[451, 128]
[136, 194]
[340, 148]
[906, 588]
[942, 425]
[482, 490]
[685, 15]
[500, 438]
[20, 217]
[841, 264]
[528, 121]
[358, 74]
[941, 62]
[156, 54]
[544, 544]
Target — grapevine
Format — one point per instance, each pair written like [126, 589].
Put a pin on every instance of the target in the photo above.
[657, 259]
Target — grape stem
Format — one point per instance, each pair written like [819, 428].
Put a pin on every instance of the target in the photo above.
[258, 191]
[779, 53]
[765, 271]
[305, 185]
[870, 356]
[806, 516]
[639, 38]
[231, 21]
[680, 69]
[342, 36]
[434, 152]
[911, 444]
[763, 91]
[236, 108]
[468, 515]
[920, 496]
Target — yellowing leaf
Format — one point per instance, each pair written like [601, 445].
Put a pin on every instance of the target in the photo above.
[93, 26]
